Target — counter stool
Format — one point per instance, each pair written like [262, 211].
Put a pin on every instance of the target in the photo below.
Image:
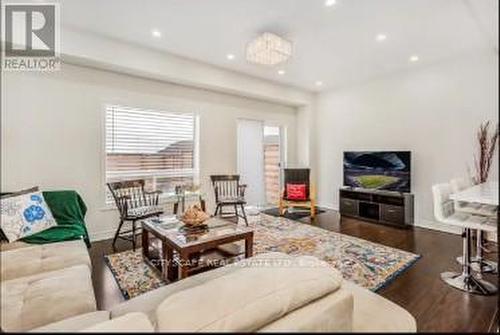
[479, 264]
[444, 211]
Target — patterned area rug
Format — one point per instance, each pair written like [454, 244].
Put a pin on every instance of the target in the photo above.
[368, 264]
[365, 263]
[133, 276]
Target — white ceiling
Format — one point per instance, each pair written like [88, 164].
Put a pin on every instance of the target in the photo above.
[335, 45]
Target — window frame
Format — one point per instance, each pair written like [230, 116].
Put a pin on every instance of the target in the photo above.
[165, 198]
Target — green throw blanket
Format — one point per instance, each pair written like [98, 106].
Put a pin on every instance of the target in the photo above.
[68, 210]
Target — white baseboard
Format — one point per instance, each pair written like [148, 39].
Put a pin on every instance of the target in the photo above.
[334, 207]
[427, 224]
[433, 225]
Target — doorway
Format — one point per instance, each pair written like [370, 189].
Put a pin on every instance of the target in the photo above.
[260, 157]
[273, 161]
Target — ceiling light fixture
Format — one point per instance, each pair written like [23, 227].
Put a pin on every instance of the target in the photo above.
[381, 37]
[330, 3]
[230, 56]
[319, 83]
[281, 72]
[414, 58]
[269, 49]
[156, 33]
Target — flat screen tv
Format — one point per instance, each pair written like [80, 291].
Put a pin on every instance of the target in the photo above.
[381, 170]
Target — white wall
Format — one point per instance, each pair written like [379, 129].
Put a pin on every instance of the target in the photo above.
[52, 133]
[433, 111]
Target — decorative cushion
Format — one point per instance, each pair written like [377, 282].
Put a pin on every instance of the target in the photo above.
[144, 211]
[260, 292]
[25, 213]
[148, 302]
[296, 191]
[231, 200]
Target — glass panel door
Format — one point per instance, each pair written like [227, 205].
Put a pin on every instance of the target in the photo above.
[273, 157]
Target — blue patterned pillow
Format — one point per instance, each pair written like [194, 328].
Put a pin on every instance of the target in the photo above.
[25, 213]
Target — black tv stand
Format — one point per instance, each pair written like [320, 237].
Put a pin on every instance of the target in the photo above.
[392, 208]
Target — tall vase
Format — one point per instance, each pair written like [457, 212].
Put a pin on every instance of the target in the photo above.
[487, 147]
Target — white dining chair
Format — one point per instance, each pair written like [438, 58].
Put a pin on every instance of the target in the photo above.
[479, 264]
[444, 212]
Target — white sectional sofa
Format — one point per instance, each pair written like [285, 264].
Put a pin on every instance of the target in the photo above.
[23, 259]
[44, 283]
[54, 293]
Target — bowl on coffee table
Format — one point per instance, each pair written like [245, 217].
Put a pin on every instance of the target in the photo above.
[194, 217]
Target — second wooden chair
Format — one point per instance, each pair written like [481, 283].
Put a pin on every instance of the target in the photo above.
[229, 192]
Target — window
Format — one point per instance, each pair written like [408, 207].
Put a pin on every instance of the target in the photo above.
[157, 146]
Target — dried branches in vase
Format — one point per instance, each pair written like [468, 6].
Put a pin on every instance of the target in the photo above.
[487, 147]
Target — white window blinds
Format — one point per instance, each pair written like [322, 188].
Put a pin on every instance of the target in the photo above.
[153, 145]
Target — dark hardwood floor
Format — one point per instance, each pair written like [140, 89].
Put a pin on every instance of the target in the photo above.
[436, 306]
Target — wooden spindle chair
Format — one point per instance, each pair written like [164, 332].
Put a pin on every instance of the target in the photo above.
[229, 192]
[134, 204]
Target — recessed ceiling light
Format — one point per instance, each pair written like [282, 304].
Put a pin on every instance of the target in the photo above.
[318, 83]
[230, 56]
[281, 72]
[156, 33]
[414, 58]
[330, 3]
[381, 37]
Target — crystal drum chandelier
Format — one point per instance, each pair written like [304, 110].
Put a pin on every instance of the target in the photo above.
[269, 49]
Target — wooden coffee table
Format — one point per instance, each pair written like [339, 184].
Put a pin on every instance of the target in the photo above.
[180, 246]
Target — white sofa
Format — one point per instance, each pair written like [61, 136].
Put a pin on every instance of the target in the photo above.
[370, 311]
[54, 293]
[29, 259]
[44, 283]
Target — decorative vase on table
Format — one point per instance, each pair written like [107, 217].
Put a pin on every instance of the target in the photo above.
[194, 226]
[487, 146]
